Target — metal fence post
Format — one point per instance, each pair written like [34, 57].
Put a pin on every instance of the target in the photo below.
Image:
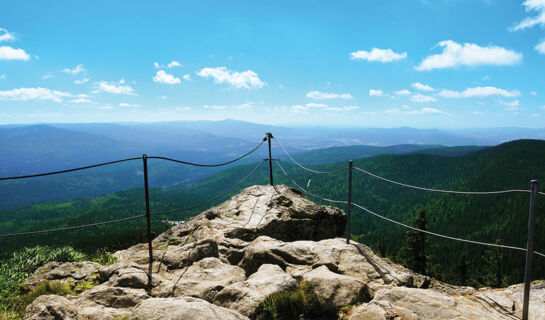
[529, 251]
[269, 136]
[148, 220]
[349, 207]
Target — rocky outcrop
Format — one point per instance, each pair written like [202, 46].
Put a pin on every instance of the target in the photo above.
[223, 263]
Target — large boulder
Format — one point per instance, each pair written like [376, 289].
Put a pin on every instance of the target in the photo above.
[246, 296]
[203, 279]
[415, 303]
[68, 272]
[354, 259]
[333, 290]
[50, 307]
[186, 308]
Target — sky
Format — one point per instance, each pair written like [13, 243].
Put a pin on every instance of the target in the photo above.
[418, 63]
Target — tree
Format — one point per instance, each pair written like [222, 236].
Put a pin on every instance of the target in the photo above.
[416, 244]
[460, 271]
[492, 272]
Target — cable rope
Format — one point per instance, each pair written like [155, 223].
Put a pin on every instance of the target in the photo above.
[305, 168]
[305, 191]
[69, 170]
[210, 165]
[71, 228]
[439, 190]
[443, 236]
[212, 199]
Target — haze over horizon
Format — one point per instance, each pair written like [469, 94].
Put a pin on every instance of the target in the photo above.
[421, 64]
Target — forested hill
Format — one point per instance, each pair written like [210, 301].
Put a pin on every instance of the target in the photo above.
[501, 218]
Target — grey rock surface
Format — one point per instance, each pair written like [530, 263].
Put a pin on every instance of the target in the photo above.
[224, 262]
[246, 296]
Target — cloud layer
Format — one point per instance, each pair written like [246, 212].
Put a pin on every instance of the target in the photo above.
[479, 92]
[381, 55]
[325, 95]
[468, 54]
[162, 77]
[246, 79]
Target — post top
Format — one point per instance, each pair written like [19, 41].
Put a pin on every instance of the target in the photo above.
[534, 181]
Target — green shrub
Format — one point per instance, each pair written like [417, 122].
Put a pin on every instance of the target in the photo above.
[300, 303]
[103, 257]
[21, 265]
[44, 288]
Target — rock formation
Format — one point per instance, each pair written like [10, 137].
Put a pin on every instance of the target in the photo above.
[223, 263]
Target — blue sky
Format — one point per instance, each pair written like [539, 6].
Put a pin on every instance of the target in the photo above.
[426, 64]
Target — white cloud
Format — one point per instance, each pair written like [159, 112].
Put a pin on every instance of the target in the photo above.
[422, 98]
[162, 77]
[299, 109]
[187, 77]
[81, 81]
[468, 54]
[345, 108]
[214, 107]
[408, 111]
[5, 35]
[246, 79]
[173, 64]
[535, 115]
[479, 92]
[244, 106]
[2, 76]
[510, 105]
[382, 55]
[163, 97]
[324, 95]
[539, 19]
[478, 112]
[128, 105]
[376, 93]
[114, 88]
[541, 47]
[183, 108]
[9, 53]
[157, 65]
[533, 93]
[422, 87]
[316, 105]
[39, 93]
[80, 100]
[404, 92]
[47, 76]
[542, 107]
[74, 71]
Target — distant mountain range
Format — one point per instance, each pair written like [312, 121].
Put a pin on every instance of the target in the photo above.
[28, 149]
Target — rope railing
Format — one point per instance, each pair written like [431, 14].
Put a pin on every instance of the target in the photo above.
[304, 190]
[305, 168]
[439, 190]
[211, 199]
[71, 228]
[400, 223]
[69, 170]
[210, 165]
